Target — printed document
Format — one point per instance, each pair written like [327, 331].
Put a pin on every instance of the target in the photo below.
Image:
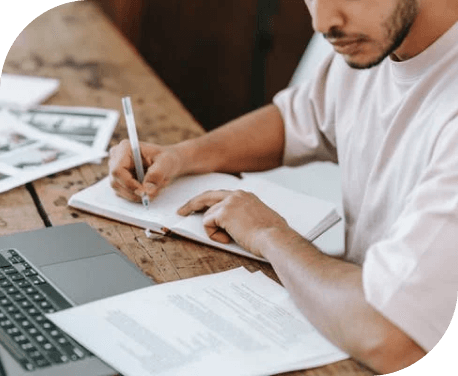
[230, 323]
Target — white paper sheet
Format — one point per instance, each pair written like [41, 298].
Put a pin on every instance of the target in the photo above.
[231, 323]
[17, 91]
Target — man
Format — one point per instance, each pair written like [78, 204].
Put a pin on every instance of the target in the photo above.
[384, 107]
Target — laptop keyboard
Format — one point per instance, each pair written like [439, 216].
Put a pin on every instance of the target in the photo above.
[25, 298]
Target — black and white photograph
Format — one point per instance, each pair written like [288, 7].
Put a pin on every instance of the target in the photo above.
[27, 154]
[90, 126]
[36, 156]
[13, 140]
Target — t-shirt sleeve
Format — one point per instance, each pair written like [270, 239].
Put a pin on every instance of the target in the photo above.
[308, 114]
[410, 276]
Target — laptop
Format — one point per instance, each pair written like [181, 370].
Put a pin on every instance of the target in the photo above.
[50, 269]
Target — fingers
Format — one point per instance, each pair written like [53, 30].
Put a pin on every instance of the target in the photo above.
[211, 201]
[203, 202]
[218, 235]
[120, 157]
[120, 168]
[213, 226]
[123, 178]
[156, 177]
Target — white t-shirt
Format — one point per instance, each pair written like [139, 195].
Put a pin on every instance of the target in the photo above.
[393, 129]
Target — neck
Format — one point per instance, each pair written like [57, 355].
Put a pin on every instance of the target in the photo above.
[434, 19]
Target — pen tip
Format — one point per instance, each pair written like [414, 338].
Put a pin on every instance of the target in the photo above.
[145, 201]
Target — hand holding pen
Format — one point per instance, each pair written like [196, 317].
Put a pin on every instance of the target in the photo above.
[156, 166]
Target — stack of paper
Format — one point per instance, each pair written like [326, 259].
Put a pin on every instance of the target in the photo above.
[27, 154]
[231, 323]
[36, 141]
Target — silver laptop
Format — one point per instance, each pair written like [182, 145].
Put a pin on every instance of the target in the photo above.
[50, 269]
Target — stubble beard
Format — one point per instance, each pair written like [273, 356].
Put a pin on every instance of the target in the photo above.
[397, 27]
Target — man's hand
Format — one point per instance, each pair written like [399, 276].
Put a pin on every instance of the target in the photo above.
[253, 142]
[236, 215]
[162, 164]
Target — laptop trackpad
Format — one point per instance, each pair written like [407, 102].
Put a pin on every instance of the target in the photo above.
[94, 278]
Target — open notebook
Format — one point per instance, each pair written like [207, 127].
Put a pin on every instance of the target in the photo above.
[308, 215]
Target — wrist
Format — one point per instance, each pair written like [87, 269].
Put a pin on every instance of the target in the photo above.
[273, 239]
[191, 158]
[181, 158]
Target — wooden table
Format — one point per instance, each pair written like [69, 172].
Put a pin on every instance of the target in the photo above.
[97, 67]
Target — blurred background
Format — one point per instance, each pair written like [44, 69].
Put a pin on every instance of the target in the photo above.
[222, 58]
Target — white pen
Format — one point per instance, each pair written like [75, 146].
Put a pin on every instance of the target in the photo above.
[132, 132]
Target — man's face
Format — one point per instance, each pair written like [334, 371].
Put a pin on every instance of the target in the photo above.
[364, 32]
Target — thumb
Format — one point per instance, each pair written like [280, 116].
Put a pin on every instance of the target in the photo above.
[156, 177]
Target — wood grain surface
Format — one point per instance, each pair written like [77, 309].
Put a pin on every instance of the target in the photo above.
[97, 66]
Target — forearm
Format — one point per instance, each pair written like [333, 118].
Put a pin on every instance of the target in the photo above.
[253, 142]
[329, 292]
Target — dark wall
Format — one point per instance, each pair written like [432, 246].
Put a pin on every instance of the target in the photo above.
[221, 58]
